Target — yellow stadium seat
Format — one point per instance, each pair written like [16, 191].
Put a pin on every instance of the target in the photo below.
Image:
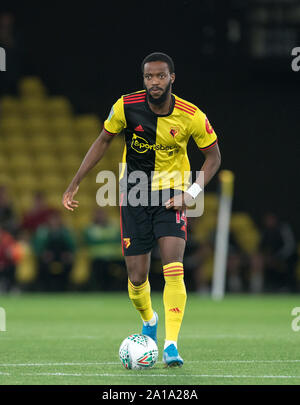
[66, 143]
[52, 183]
[60, 126]
[85, 141]
[26, 182]
[88, 123]
[46, 163]
[32, 107]
[11, 125]
[20, 163]
[59, 106]
[35, 126]
[9, 106]
[3, 161]
[6, 179]
[15, 143]
[31, 86]
[42, 145]
[71, 163]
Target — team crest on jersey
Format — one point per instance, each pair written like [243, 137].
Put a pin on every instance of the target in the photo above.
[174, 131]
[209, 128]
[127, 242]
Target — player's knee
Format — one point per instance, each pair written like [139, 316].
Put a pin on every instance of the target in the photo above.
[137, 279]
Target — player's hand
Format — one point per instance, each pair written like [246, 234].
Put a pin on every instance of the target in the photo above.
[68, 199]
[179, 202]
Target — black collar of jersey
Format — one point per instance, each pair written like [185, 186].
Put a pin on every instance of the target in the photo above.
[161, 115]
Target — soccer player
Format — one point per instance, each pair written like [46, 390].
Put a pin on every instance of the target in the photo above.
[157, 125]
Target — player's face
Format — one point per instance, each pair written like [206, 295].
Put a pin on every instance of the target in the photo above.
[157, 81]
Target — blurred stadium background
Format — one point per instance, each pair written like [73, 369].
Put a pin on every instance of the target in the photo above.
[66, 67]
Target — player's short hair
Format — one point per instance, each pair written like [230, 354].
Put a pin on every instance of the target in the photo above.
[161, 57]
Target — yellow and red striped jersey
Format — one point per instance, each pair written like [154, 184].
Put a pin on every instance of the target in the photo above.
[157, 144]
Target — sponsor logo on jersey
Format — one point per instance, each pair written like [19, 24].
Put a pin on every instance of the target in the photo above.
[141, 145]
[139, 128]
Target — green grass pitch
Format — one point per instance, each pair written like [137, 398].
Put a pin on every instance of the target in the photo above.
[74, 339]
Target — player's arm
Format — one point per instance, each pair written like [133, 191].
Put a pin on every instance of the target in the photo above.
[93, 156]
[210, 167]
[211, 164]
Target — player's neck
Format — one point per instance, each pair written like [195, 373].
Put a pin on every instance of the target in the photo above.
[162, 108]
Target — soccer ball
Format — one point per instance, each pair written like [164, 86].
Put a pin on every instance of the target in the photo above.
[138, 352]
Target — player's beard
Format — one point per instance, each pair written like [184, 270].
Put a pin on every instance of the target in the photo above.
[160, 100]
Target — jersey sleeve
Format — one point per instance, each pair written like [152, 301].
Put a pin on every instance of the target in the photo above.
[202, 132]
[116, 121]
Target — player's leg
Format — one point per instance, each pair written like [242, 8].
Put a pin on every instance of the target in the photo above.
[138, 284]
[140, 292]
[174, 296]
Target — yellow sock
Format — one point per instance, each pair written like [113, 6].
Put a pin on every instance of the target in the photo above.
[174, 298]
[140, 297]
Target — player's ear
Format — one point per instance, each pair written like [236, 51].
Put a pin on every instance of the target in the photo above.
[172, 77]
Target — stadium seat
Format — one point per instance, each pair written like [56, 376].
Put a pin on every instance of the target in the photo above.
[31, 86]
[3, 161]
[45, 163]
[88, 124]
[9, 125]
[20, 163]
[71, 163]
[35, 126]
[42, 144]
[26, 182]
[15, 143]
[32, 107]
[58, 107]
[9, 106]
[61, 126]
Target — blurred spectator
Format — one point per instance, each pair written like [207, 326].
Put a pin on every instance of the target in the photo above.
[103, 241]
[278, 254]
[38, 215]
[10, 255]
[54, 247]
[8, 219]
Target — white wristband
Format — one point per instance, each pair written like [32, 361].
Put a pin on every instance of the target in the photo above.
[194, 190]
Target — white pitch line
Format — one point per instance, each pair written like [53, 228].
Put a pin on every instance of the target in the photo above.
[58, 364]
[244, 361]
[118, 363]
[161, 375]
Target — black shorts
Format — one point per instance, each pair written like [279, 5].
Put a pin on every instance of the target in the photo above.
[141, 225]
